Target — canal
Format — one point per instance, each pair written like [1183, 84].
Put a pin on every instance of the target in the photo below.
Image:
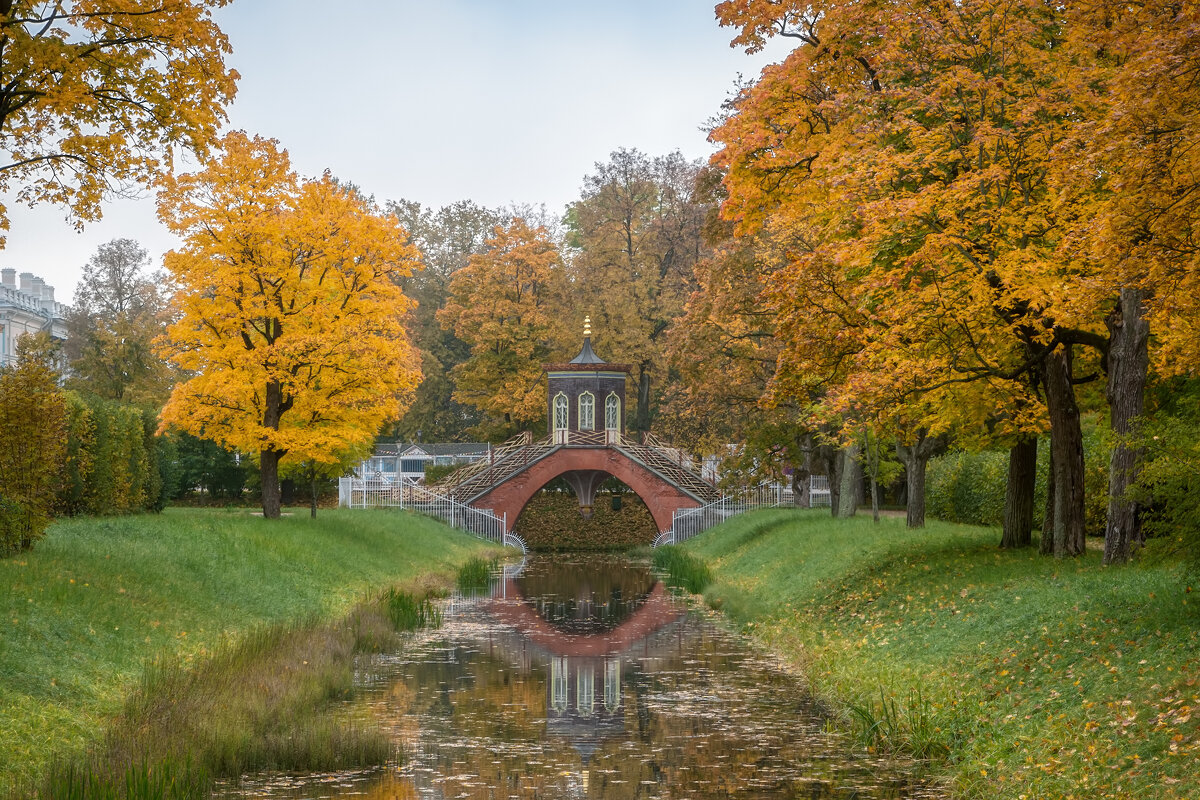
[579, 676]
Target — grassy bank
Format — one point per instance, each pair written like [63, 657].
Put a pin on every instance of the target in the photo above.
[84, 612]
[1021, 676]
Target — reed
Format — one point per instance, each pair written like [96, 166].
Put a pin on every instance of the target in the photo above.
[475, 573]
[682, 569]
[265, 702]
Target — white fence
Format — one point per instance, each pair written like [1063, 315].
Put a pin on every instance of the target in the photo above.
[689, 522]
[818, 492]
[381, 493]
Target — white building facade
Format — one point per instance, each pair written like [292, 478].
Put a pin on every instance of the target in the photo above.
[27, 305]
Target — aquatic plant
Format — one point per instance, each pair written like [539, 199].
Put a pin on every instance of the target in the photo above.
[683, 570]
[475, 573]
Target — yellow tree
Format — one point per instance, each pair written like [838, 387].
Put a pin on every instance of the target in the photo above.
[290, 316]
[506, 304]
[94, 92]
[1129, 178]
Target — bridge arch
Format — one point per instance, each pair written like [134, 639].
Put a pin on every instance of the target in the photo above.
[660, 496]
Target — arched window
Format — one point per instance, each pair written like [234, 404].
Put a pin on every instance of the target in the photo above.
[559, 675]
[612, 412]
[585, 689]
[560, 412]
[587, 412]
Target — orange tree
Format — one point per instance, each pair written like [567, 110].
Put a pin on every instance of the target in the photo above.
[290, 318]
[507, 305]
[1129, 188]
[911, 145]
[93, 92]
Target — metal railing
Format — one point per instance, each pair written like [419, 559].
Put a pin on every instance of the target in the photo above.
[688, 522]
[379, 493]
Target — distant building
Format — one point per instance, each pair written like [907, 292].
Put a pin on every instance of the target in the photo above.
[27, 307]
[407, 462]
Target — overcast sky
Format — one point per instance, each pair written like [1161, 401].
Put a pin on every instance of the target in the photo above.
[496, 102]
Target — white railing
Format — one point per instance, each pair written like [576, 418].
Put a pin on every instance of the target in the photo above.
[818, 492]
[380, 493]
[688, 522]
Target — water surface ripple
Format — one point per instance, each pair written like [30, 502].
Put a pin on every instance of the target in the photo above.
[580, 677]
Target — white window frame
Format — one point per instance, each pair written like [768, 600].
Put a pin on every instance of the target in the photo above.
[587, 412]
[612, 412]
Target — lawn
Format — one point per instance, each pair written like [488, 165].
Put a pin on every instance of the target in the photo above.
[1018, 675]
[83, 613]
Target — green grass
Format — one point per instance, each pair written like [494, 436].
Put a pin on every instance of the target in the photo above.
[1020, 675]
[682, 569]
[475, 573]
[96, 601]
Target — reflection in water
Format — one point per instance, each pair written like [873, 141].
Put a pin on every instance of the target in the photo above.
[582, 597]
[616, 692]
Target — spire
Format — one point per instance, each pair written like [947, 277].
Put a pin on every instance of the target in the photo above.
[586, 355]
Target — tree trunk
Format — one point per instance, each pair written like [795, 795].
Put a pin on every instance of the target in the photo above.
[271, 496]
[849, 476]
[802, 478]
[916, 459]
[312, 483]
[1066, 449]
[643, 411]
[833, 471]
[274, 407]
[1047, 544]
[1018, 498]
[1128, 363]
[875, 492]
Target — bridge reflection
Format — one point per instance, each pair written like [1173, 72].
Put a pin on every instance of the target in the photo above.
[589, 625]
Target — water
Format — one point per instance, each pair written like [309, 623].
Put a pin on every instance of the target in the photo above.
[580, 677]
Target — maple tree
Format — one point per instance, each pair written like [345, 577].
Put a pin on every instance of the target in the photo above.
[290, 316]
[901, 155]
[1128, 185]
[507, 304]
[101, 92]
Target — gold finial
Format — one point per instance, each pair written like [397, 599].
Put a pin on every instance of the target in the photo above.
[587, 326]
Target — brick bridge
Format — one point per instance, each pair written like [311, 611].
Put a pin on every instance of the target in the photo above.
[585, 413]
[659, 475]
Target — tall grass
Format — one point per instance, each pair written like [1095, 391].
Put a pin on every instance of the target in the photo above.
[264, 702]
[682, 569]
[98, 599]
[475, 573]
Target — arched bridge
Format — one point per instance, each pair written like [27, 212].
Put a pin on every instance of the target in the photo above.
[522, 466]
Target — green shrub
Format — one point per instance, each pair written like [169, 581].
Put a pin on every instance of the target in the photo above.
[436, 473]
[33, 422]
[967, 487]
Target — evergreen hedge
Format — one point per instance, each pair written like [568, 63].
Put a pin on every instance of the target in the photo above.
[969, 487]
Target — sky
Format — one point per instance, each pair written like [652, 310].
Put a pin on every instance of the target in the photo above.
[500, 102]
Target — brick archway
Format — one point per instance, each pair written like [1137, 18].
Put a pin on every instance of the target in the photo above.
[661, 497]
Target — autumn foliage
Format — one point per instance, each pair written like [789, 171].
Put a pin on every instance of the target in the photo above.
[291, 321]
[95, 94]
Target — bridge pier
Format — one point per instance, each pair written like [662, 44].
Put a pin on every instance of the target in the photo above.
[585, 482]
